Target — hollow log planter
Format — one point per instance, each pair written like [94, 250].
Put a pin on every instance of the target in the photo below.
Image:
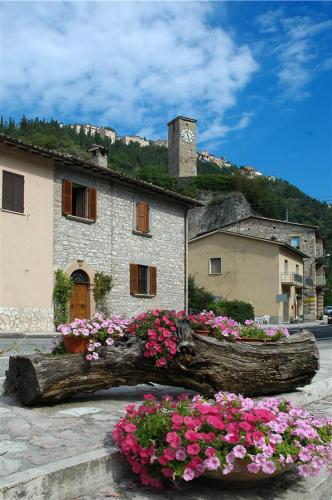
[203, 364]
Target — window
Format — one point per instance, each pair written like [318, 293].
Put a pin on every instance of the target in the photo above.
[215, 265]
[142, 217]
[12, 192]
[79, 201]
[143, 280]
[295, 242]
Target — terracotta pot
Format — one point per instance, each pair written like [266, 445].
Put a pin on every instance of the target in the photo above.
[253, 339]
[75, 345]
[205, 333]
[240, 477]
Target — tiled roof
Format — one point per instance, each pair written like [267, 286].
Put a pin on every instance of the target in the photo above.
[114, 175]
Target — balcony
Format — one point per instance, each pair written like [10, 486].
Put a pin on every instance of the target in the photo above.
[320, 280]
[309, 282]
[291, 279]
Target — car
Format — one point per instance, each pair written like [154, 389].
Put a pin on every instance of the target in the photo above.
[328, 313]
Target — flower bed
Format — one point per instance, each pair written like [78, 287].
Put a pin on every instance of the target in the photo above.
[172, 440]
[98, 330]
[158, 328]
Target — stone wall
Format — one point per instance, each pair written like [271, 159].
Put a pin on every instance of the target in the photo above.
[27, 319]
[110, 245]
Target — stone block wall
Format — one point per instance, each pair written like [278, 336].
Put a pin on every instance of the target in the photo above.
[27, 319]
[110, 245]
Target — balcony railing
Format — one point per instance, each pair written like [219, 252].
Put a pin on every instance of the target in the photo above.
[292, 278]
[320, 280]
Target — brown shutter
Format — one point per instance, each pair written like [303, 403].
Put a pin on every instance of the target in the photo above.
[66, 197]
[13, 192]
[19, 194]
[153, 280]
[133, 279]
[142, 217]
[92, 197]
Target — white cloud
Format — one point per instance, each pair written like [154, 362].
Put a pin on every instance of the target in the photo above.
[132, 66]
[294, 44]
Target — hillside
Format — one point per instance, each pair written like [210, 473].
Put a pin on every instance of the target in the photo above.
[267, 197]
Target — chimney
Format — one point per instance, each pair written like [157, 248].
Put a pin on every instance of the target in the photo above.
[98, 155]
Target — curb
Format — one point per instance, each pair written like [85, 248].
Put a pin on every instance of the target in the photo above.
[309, 393]
[68, 478]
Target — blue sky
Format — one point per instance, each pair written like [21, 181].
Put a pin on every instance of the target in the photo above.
[256, 75]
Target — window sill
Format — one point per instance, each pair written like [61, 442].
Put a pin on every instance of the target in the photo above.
[80, 219]
[215, 274]
[143, 295]
[139, 233]
[12, 212]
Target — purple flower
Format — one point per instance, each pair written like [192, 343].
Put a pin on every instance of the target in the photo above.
[212, 463]
[109, 341]
[253, 468]
[180, 454]
[228, 469]
[239, 451]
[268, 467]
[188, 474]
[304, 470]
[305, 455]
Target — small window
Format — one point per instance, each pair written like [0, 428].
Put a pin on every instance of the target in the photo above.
[295, 242]
[79, 201]
[143, 280]
[142, 217]
[13, 192]
[215, 265]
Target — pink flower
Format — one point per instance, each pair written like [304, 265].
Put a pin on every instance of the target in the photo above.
[193, 449]
[210, 452]
[130, 427]
[268, 467]
[212, 463]
[188, 474]
[191, 435]
[228, 469]
[253, 468]
[89, 357]
[304, 470]
[169, 454]
[305, 455]
[150, 397]
[239, 451]
[167, 472]
[161, 362]
[173, 439]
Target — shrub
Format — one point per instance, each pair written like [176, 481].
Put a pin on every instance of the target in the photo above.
[198, 297]
[237, 310]
[61, 295]
[103, 284]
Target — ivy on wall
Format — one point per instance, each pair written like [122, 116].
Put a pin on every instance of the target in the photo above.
[103, 284]
[63, 288]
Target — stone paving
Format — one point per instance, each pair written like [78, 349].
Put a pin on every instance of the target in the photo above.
[32, 437]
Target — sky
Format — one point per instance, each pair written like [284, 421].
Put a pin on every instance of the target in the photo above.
[255, 75]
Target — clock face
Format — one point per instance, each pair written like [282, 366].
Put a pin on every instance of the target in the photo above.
[187, 135]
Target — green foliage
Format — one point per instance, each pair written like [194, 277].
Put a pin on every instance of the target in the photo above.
[198, 297]
[63, 288]
[235, 309]
[102, 285]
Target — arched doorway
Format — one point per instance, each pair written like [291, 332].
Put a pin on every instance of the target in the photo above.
[80, 298]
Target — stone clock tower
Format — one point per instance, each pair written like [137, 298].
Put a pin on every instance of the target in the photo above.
[182, 147]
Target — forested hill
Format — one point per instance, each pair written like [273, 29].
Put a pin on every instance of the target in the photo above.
[268, 197]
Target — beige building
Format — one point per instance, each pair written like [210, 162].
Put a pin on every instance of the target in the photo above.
[107, 132]
[127, 139]
[266, 273]
[26, 240]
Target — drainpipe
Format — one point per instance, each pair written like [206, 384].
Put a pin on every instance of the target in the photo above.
[186, 261]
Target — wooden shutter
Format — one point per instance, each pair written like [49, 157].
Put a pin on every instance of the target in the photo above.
[92, 197]
[133, 279]
[153, 280]
[13, 192]
[66, 197]
[142, 217]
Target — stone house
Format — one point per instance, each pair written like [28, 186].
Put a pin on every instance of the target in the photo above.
[299, 236]
[235, 266]
[58, 211]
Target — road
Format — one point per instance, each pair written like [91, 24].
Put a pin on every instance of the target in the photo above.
[320, 331]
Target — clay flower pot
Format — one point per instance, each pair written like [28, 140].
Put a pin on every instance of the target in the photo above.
[205, 333]
[240, 477]
[75, 345]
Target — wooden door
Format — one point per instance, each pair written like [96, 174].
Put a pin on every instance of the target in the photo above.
[79, 302]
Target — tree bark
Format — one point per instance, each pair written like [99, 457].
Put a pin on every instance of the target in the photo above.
[202, 364]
